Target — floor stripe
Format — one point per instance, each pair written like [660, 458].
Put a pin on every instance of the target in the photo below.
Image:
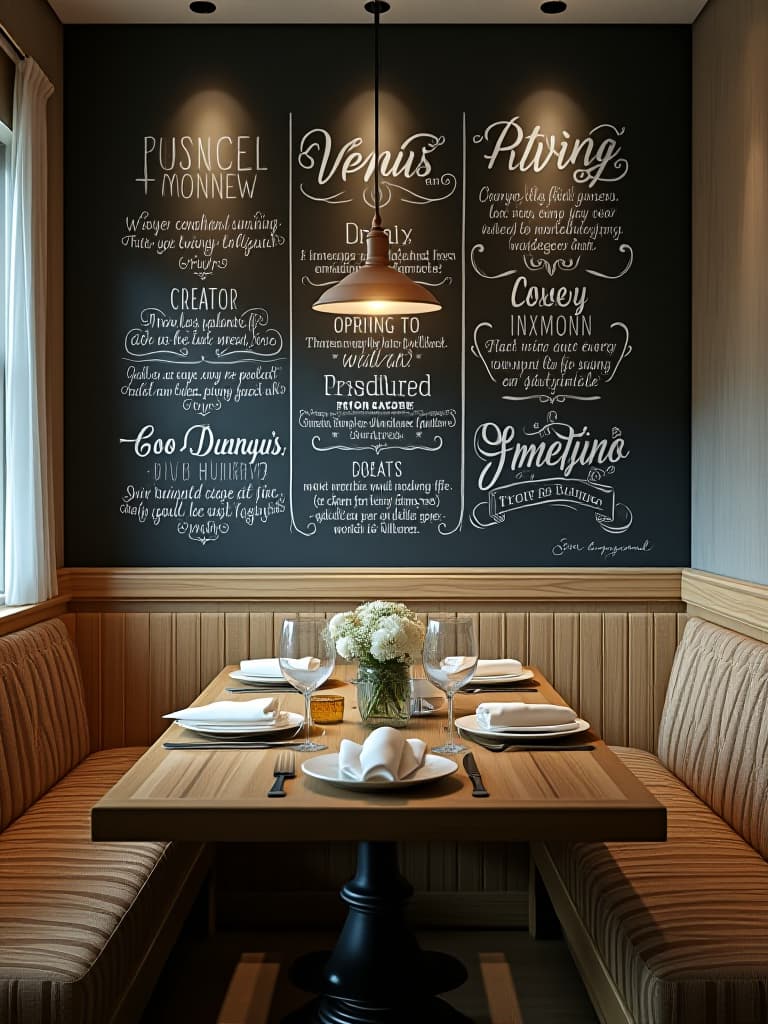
[500, 991]
[249, 996]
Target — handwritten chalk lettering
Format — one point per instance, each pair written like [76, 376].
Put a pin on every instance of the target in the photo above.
[558, 445]
[203, 298]
[537, 325]
[524, 294]
[378, 386]
[200, 441]
[411, 160]
[372, 469]
[594, 157]
[187, 167]
[356, 234]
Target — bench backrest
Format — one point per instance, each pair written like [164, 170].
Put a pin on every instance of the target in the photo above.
[714, 727]
[43, 727]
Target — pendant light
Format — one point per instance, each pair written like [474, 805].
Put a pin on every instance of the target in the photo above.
[376, 287]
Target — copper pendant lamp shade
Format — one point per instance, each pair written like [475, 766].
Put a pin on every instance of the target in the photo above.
[376, 287]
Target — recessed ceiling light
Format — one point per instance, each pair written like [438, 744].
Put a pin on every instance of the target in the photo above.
[202, 7]
[554, 7]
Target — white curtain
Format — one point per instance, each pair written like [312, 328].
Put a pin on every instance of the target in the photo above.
[30, 564]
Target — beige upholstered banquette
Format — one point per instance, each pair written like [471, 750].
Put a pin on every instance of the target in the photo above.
[677, 932]
[83, 926]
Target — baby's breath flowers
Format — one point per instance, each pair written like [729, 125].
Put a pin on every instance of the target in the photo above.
[378, 631]
[385, 638]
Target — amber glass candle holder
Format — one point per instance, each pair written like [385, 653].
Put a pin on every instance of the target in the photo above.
[327, 708]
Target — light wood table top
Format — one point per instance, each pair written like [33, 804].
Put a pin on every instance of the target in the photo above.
[220, 795]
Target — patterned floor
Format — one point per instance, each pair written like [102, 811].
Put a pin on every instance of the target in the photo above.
[237, 978]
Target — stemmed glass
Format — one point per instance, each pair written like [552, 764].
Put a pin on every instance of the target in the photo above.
[307, 658]
[450, 660]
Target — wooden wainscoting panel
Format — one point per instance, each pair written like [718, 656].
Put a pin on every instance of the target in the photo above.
[567, 663]
[70, 621]
[682, 622]
[187, 681]
[612, 666]
[591, 669]
[237, 637]
[212, 647]
[139, 727]
[664, 647]
[541, 641]
[640, 696]
[615, 682]
[415, 864]
[113, 669]
[490, 630]
[162, 669]
[88, 639]
[516, 636]
[271, 586]
[261, 635]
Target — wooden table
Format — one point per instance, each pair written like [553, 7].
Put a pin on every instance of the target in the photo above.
[220, 796]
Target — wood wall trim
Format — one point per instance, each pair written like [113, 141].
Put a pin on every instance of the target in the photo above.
[452, 584]
[14, 617]
[736, 604]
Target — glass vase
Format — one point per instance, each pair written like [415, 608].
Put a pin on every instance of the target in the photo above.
[384, 693]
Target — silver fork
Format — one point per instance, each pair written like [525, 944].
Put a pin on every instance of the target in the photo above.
[285, 768]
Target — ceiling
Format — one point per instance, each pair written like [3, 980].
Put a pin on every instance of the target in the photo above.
[351, 11]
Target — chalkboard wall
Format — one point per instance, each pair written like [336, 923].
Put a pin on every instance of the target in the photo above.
[535, 178]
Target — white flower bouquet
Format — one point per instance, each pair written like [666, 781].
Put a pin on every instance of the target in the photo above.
[385, 638]
[378, 631]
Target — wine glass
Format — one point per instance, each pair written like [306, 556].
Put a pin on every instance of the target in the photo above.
[307, 658]
[450, 660]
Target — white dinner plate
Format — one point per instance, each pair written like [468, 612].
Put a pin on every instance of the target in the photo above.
[471, 725]
[478, 680]
[326, 768]
[259, 680]
[288, 720]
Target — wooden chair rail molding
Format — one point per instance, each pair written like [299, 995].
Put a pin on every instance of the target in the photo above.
[409, 584]
[736, 604]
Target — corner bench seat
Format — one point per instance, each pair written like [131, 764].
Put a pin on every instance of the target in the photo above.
[84, 926]
[677, 932]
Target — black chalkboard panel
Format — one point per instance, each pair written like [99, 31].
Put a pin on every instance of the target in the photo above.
[535, 178]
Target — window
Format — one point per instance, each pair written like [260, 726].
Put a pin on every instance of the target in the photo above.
[5, 139]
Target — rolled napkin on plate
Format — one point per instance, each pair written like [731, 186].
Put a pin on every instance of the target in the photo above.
[485, 667]
[386, 756]
[498, 667]
[516, 714]
[269, 668]
[263, 709]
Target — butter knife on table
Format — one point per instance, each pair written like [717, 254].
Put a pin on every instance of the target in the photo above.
[470, 766]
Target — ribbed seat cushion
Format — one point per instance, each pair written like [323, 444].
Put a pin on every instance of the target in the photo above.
[714, 727]
[72, 932]
[683, 925]
[43, 727]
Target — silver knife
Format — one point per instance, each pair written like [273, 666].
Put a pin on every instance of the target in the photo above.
[228, 745]
[470, 766]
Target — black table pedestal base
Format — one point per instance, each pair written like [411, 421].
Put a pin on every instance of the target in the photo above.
[377, 973]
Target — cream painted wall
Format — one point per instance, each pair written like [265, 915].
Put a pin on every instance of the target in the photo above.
[38, 31]
[730, 290]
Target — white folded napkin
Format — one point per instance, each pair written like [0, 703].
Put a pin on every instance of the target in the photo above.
[386, 756]
[263, 709]
[498, 667]
[517, 714]
[485, 667]
[269, 668]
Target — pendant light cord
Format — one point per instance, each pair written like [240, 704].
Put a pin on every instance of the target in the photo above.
[376, 59]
